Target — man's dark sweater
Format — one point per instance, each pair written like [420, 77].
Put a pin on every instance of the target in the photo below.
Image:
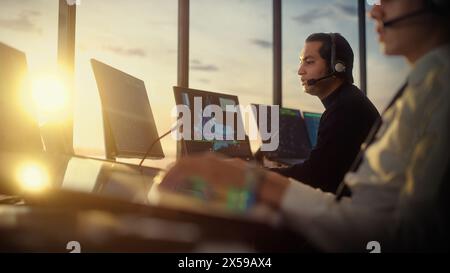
[347, 120]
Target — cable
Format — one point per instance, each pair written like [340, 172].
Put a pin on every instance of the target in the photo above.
[157, 140]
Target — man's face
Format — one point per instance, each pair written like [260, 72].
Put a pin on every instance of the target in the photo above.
[401, 38]
[312, 66]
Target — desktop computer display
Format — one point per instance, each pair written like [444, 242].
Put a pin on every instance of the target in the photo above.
[19, 129]
[294, 142]
[128, 121]
[312, 121]
[293, 137]
[227, 129]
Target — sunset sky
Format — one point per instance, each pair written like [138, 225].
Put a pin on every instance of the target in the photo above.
[230, 51]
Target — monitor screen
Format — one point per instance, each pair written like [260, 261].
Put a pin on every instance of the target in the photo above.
[19, 127]
[293, 137]
[226, 128]
[128, 121]
[294, 141]
[312, 121]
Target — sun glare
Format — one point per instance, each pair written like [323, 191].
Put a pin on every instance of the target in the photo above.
[50, 97]
[32, 177]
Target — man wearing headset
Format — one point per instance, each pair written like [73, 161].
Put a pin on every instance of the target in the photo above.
[325, 71]
[400, 189]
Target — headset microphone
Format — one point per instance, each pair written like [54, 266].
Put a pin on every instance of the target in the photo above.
[440, 7]
[314, 81]
[399, 19]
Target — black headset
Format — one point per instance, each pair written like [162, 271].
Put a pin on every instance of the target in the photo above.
[337, 66]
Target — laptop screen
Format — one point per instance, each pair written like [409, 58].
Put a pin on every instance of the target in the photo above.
[128, 120]
[228, 144]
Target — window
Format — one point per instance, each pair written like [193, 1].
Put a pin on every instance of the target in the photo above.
[138, 37]
[31, 26]
[231, 49]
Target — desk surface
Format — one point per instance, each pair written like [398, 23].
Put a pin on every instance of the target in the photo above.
[90, 199]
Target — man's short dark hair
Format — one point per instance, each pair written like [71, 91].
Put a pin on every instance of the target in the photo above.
[344, 52]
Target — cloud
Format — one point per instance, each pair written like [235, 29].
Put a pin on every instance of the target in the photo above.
[23, 22]
[346, 9]
[208, 68]
[199, 66]
[261, 43]
[138, 52]
[312, 15]
[339, 10]
[204, 80]
[163, 23]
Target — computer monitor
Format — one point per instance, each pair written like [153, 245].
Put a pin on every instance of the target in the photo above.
[128, 123]
[233, 148]
[19, 129]
[293, 137]
[312, 121]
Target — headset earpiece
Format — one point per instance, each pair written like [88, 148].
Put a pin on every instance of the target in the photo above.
[339, 67]
[336, 66]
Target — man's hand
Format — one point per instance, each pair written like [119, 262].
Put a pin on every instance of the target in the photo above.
[212, 177]
[208, 174]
